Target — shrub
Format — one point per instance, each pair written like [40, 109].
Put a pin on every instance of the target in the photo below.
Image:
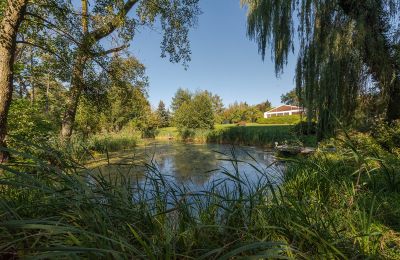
[303, 128]
[388, 136]
[196, 113]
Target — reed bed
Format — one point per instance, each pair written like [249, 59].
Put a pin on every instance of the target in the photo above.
[337, 205]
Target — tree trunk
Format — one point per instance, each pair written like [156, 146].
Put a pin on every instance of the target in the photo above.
[77, 85]
[77, 82]
[13, 15]
[88, 40]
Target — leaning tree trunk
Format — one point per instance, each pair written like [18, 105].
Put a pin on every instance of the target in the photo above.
[89, 39]
[77, 81]
[12, 18]
[77, 85]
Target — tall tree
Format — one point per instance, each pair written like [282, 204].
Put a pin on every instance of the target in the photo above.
[344, 46]
[163, 114]
[109, 16]
[195, 113]
[181, 96]
[264, 106]
[217, 106]
[290, 98]
[11, 18]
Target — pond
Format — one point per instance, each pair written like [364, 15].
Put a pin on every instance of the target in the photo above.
[194, 165]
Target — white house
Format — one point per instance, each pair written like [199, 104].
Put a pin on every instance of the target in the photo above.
[284, 110]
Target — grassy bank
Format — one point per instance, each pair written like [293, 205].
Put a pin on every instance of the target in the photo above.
[333, 205]
[82, 149]
[280, 120]
[251, 134]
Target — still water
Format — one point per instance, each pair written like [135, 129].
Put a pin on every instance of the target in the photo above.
[194, 165]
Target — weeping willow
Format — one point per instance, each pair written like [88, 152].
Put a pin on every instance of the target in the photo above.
[342, 44]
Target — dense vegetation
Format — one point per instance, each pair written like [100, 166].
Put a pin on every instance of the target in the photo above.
[252, 134]
[69, 89]
[348, 58]
[341, 204]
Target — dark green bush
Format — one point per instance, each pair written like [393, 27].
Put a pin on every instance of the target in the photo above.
[304, 128]
[27, 121]
[388, 136]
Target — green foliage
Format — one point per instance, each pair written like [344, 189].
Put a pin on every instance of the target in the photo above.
[126, 98]
[290, 98]
[112, 142]
[123, 101]
[163, 115]
[334, 205]
[28, 121]
[217, 106]
[195, 113]
[342, 51]
[238, 112]
[305, 128]
[277, 120]
[259, 135]
[181, 96]
[264, 106]
[252, 134]
[87, 117]
[388, 135]
[148, 125]
[176, 18]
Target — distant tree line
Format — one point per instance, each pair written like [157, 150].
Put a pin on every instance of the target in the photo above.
[204, 109]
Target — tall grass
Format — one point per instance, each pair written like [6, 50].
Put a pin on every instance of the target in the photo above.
[258, 135]
[331, 205]
[253, 134]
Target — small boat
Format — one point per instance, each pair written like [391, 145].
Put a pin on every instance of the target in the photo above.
[288, 150]
[293, 150]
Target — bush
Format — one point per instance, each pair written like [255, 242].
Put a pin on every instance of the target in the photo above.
[303, 128]
[280, 120]
[28, 123]
[388, 136]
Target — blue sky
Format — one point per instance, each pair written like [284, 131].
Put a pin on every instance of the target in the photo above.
[224, 60]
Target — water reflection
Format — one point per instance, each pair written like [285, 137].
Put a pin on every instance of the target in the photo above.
[194, 165]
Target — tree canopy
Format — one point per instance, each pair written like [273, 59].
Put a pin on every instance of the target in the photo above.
[346, 46]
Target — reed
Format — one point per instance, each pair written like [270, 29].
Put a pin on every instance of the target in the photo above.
[331, 205]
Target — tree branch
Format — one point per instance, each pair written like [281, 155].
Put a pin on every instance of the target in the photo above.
[104, 53]
[41, 47]
[54, 27]
[109, 27]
